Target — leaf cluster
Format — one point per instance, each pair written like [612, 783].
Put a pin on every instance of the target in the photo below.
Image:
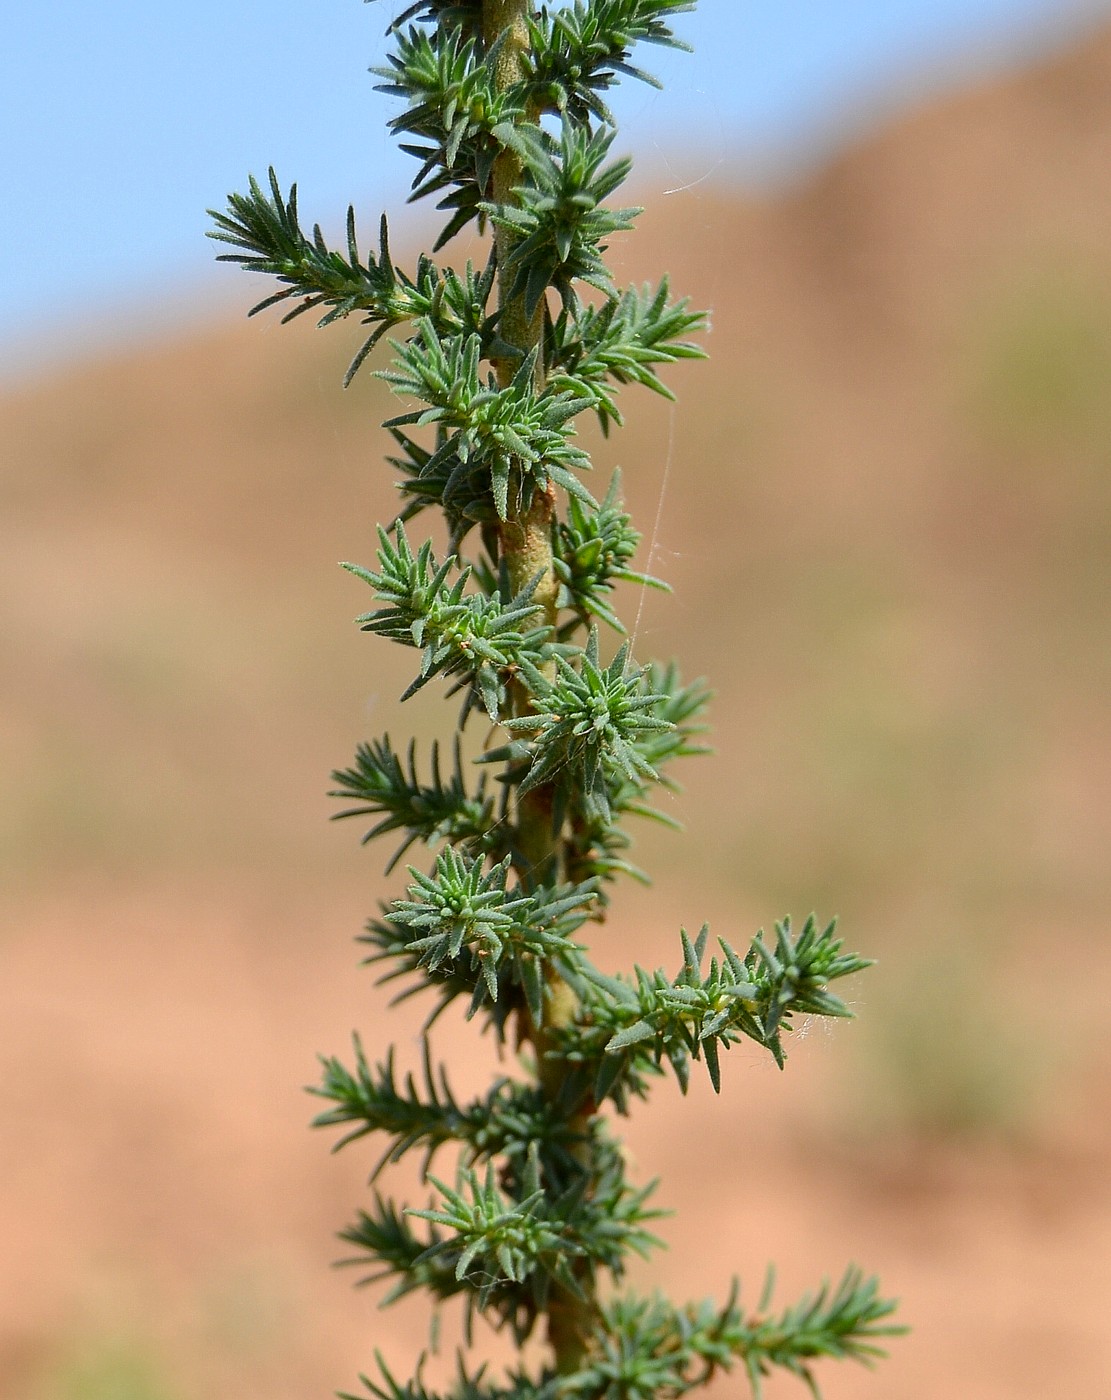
[506, 934]
[579, 51]
[586, 731]
[648, 1349]
[477, 940]
[504, 1238]
[431, 812]
[697, 1014]
[558, 216]
[592, 550]
[458, 117]
[472, 639]
[652, 1349]
[506, 435]
[509, 1121]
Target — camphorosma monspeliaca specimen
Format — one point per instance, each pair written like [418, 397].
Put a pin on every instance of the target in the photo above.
[503, 106]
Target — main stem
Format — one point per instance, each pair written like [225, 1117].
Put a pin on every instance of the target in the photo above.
[526, 546]
[526, 536]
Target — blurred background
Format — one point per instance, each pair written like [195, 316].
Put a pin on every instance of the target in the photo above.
[885, 508]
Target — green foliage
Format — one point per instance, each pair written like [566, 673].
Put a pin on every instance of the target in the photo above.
[485, 428]
[430, 812]
[462, 905]
[585, 728]
[509, 1121]
[503, 107]
[577, 52]
[593, 349]
[473, 638]
[652, 1350]
[558, 217]
[266, 229]
[592, 549]
[696, 1016]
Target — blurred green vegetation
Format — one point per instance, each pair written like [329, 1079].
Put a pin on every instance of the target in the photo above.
[937, 1060]
[1042, 364]
[107, 1368]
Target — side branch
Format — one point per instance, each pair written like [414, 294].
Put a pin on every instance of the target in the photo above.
[654, 1351]
[266, 230]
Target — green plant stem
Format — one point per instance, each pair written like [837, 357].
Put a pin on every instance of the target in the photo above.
[526, 536]
[526, 545]
[510, 17]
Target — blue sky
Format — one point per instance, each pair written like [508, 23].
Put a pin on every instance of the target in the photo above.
[123, 120]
